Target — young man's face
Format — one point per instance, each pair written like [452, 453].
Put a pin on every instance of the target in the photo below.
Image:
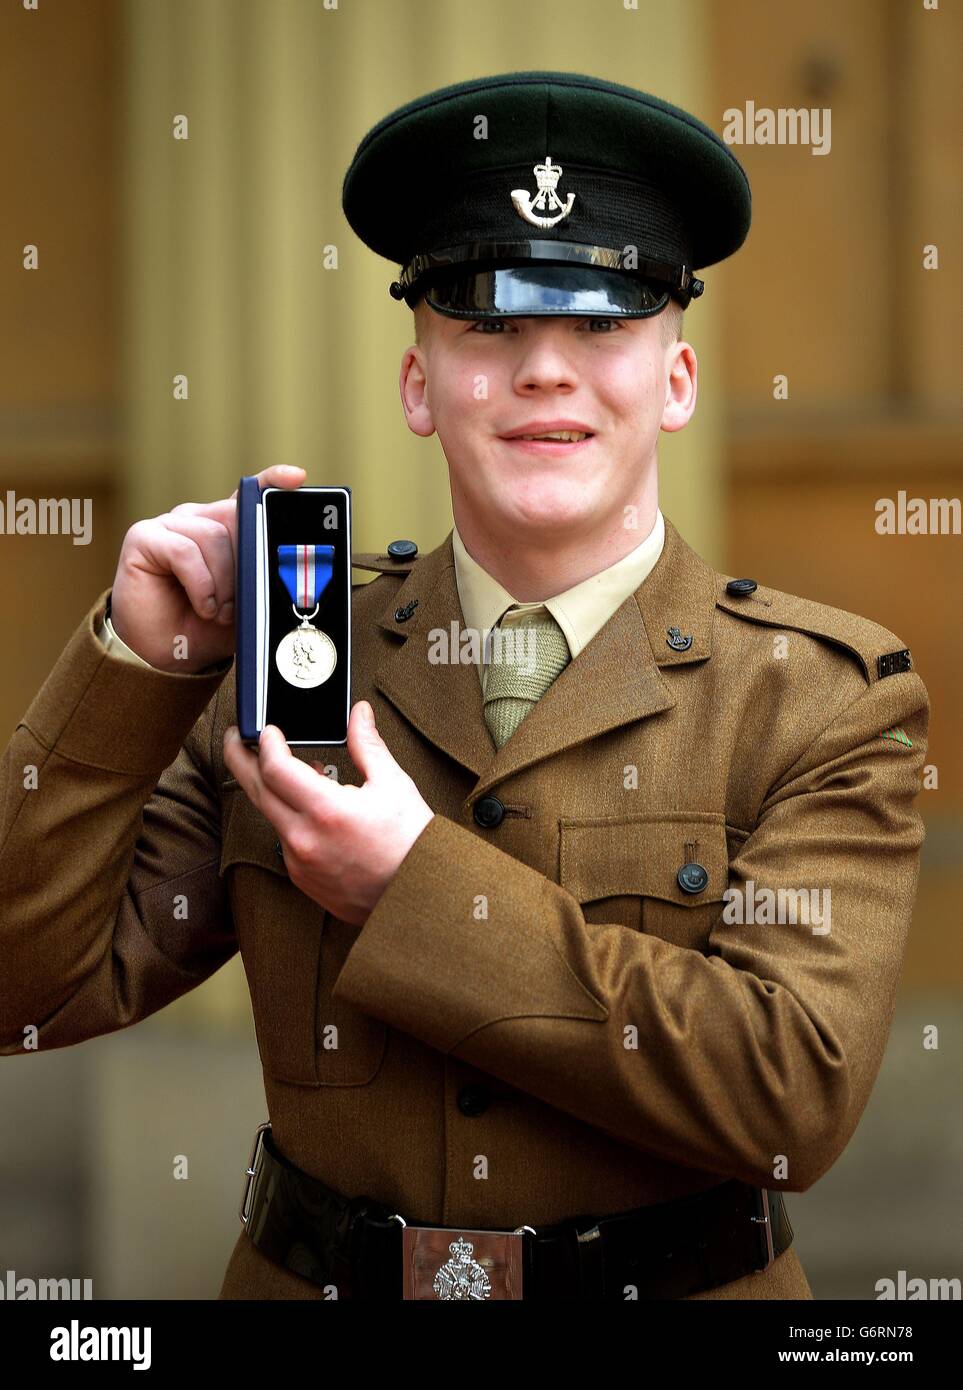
[479, 382]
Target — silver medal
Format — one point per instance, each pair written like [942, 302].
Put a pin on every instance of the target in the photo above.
[306, 657]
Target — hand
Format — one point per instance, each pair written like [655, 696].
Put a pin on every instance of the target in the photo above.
[342, 844]
[175, 578]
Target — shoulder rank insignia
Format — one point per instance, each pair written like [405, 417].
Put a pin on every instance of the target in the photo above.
[892, 662]
[546, 199]
[898, 736]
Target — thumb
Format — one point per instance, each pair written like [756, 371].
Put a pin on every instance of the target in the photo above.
[367, 748]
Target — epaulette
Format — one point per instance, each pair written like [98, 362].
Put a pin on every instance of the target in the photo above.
[383, 562]
[878, 651]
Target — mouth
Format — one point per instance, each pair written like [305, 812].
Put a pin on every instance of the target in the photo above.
[552, 444]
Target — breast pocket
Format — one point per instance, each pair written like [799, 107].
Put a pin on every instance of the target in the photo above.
[662, 874]
[293, 951]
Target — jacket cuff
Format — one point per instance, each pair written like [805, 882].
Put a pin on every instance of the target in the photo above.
[115, 714]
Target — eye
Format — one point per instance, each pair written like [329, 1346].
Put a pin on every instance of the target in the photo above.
[492, 327]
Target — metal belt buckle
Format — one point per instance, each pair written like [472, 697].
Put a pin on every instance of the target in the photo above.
[440, 1262]
[764, 1220]
[250, 1172]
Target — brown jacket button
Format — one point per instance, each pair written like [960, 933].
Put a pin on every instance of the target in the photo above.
[489, 812]
[474, 1099]
[402, 550]
[692, 878]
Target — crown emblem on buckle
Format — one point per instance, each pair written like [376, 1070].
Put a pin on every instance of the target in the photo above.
[547, 176]
[462, 1277]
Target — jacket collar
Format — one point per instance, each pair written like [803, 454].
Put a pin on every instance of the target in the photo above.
[616, 679]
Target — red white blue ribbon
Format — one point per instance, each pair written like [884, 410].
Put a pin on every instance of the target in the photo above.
[306, 571]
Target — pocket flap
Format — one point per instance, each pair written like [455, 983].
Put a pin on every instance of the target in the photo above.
[247, 836]
[642, 855]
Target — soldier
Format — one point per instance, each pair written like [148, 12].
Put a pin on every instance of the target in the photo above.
[590, 953]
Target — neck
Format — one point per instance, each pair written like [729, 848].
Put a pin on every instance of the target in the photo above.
[539, 564]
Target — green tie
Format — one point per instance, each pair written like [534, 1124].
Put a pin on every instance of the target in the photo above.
[513, 686]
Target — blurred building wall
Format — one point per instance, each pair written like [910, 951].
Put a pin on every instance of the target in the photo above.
[831, 292]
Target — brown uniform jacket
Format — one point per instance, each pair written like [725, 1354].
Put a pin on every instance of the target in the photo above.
[632, 1045]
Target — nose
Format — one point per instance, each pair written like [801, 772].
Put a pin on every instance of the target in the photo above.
[545, 361]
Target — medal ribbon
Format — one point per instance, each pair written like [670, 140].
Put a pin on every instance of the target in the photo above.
[306, 571]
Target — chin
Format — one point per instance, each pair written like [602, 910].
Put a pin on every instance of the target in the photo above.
[547, 508]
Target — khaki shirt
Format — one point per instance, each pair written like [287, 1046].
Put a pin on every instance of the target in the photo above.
[580, 611]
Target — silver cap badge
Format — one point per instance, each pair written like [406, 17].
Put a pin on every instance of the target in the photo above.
[546, 199]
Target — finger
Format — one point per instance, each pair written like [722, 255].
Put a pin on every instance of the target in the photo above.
[292, 780]
[224, 511]
[217, 511]
[279, 475]
[214, 542]
[168, 552]
[221, 510]
[244, 764]
[369, 752]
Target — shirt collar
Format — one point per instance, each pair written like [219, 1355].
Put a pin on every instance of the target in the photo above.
[580, 611]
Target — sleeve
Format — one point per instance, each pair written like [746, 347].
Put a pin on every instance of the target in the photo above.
[766, 1046]
[110, 900]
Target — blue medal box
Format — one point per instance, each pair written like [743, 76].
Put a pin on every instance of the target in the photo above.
[293, 612]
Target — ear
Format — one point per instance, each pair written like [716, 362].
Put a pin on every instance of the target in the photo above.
[682, 370]
[413, 385]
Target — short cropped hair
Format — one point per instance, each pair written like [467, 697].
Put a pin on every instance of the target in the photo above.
[671, 322]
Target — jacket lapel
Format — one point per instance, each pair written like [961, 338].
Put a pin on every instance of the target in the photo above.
[615, 680]
[442, 700]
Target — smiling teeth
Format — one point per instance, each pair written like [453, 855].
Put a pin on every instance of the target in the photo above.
[569, 436]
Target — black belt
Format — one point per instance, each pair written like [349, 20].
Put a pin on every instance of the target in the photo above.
[360, 1249]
